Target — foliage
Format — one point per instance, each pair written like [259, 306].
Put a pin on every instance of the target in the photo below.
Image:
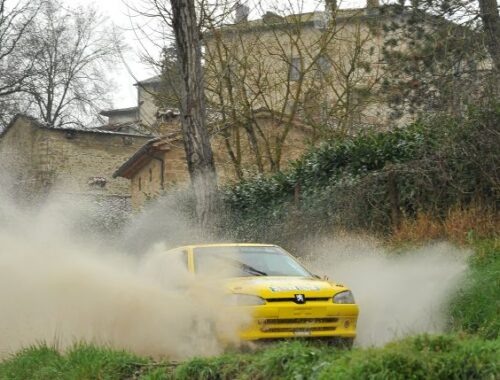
[81, 362]
[421, 357]
[439, 55]
[460, 224]
[373, 180]
[476, 306]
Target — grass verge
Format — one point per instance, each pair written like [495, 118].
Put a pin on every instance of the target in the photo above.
[475, 308]
[421, 357]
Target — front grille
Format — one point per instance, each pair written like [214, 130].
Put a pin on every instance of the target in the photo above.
[298, 325]
[298, 320]
[291, 299]
[296, 330]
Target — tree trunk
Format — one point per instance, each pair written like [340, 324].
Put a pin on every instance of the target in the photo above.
[392, 189]
[491, 22]
[199, 154]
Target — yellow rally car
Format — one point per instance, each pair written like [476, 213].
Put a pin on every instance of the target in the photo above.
[284, 298]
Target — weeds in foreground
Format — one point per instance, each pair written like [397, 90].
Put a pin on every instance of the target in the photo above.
[421, 357]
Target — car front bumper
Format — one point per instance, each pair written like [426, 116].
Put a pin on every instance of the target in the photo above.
[289, 320]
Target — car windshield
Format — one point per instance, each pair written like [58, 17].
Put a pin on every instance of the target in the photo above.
[246, 261]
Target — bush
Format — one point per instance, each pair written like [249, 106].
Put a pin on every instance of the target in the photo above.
[460, 224]
[476, 307]
[81, 362]
[421, 357]
[374, 181]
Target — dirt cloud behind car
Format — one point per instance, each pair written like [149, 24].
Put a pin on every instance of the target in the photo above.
[399, 293]
[62, 282]
[61, 285]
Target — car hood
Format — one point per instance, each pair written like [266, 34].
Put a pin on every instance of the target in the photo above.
[283, 287]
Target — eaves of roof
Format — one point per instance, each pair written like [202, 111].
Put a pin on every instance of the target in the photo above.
[291, 21]
[119, 111]
[145, 154]
[46, 127]
[151, 80]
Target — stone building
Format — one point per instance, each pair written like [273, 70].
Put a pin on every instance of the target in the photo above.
[324, 67]
[155, 167]
[38, 158]
[144, 118]
[160, 164]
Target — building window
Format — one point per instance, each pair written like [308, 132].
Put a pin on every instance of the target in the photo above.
[139, 184]
[294, 73]
[323, 64]
[150, 174]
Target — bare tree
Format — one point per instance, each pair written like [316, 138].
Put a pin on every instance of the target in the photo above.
[442, 55]
[276, 67]
[199, 156]
[15, 68]
[491, 28]
[71, 51]
[310, 70]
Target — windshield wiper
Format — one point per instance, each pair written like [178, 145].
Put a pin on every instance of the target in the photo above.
[239, 264]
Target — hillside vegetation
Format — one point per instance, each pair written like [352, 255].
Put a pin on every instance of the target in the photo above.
[437, 176]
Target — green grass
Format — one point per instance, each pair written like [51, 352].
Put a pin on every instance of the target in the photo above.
[421, 357]
[81, 362]
[475, 308]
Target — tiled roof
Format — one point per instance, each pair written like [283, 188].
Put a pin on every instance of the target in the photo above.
[145, 153]
[118, 111]
[72, 128]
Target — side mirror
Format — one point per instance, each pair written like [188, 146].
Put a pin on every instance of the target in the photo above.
[324, 277]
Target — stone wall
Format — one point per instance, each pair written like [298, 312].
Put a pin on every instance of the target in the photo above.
[147, 104]
[80, 162]
[146, 183]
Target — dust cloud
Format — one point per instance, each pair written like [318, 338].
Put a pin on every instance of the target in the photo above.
[61, 284]
[65, 279]
[399, 293]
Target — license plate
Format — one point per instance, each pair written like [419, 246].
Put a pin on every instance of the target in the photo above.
[302, 333]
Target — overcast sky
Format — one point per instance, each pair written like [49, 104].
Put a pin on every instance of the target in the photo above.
[125, 94]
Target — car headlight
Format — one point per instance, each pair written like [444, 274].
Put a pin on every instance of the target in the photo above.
[243, 300]
[345, 297]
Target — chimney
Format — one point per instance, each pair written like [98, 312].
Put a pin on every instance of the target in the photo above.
[331, 6]
[242, 12]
